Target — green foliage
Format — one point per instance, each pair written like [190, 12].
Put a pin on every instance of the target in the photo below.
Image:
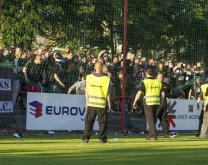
[18, 25]
[152, 24]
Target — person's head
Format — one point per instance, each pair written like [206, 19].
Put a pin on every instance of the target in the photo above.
[149, 72]
[83, 76]
[6, 52]
[198, 80]
[24, 54]
[166, 62]
[101, 59]
[57, 56]
[143, 61]
[38, 59]
[115, 60]
[98, 67]
[151, 61]
[170, 65]
[161, 66]
[105, 69]
[136, 60]
[94, 60]
[88, 53]
[188, 66]
[69, 55]
[18, 52]
[166, 80]
[108, 61]
[136, 68]
[48, 53]
[160, 77]
[106, 57]
[198, 65]
[39, 51]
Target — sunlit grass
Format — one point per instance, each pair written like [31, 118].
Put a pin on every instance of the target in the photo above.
[68, 149]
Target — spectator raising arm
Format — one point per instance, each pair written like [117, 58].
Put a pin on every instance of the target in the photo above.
[56, 77]
[72, 88]
[25, 74]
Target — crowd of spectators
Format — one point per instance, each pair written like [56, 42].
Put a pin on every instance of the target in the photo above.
[55, 72]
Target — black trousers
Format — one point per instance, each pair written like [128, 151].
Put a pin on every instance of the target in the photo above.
[201, 120]
[91, 114]
[151, 117]
[162, 115]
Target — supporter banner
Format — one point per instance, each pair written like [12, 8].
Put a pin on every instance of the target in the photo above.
[47, 111]
[6, 106]
[182, 115]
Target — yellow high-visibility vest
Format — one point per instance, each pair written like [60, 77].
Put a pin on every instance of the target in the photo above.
[97, 90]
[152, 91]
[203, 90]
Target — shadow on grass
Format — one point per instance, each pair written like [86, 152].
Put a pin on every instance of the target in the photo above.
[67, 149]
[142, 155]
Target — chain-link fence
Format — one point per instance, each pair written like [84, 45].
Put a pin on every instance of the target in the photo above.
[43, 40]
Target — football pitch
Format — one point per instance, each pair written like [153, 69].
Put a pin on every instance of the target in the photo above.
[67, 149]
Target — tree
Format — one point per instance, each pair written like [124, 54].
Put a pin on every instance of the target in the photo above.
[169, 25]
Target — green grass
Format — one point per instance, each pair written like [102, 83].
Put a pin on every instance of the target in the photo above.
[66, 149]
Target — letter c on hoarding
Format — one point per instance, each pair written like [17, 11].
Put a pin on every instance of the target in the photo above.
[5, 106]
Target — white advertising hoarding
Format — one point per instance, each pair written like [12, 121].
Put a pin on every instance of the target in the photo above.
[182, 115]
[47, 111]
[6, 106]
[5, 84]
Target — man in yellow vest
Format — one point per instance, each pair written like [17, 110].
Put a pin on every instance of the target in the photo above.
[153, 99]
[204, 126]
[97, 94]
[202, 96]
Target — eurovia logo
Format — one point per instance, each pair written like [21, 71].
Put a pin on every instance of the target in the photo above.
[36, 109]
